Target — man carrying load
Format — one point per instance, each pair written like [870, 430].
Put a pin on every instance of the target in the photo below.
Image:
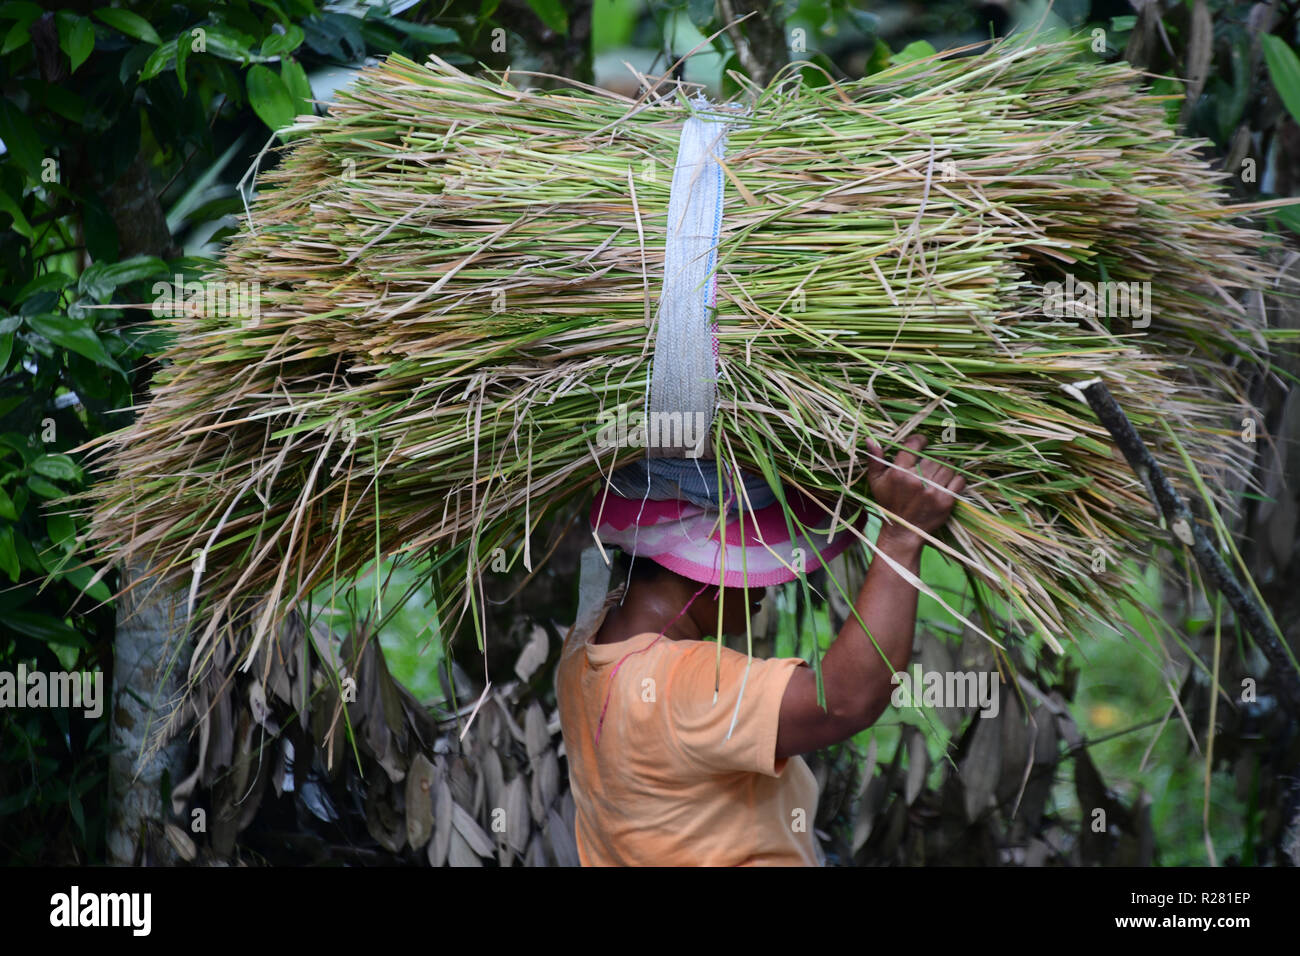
[665, 769]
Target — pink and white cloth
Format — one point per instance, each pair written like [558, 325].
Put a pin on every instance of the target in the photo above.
[690, 539]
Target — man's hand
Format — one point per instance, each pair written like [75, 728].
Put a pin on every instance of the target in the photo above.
[859, 665]
[923, 500]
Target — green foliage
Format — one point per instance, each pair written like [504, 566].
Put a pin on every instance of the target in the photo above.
[1284, 71]
[111, 120]
[270, 97]
[552, 13]
[53, 771]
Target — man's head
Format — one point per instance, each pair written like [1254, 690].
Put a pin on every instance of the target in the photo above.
[687, 544]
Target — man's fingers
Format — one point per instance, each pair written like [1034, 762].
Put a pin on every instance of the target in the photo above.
[934, 473]
[906, 460]
[876, 464]
[939, 474]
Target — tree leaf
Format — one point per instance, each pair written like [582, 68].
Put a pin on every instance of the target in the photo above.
[230, 45]
[279, 44]
[8, 559]
[1289, 216]
[27, 556]
[62, 530]
[879, 58]
[552, 13]
[421, 779]
[74, 335]
[20, 138]
[296, 82]
[100, 279]
[43, 627]
[1284, 71]
[701, 14]
[132, 24]
[56, 281]
[424, 32]
[867, 23]
[158, 61]
[21, 225]
[440, 845]
[76, 39]
[269, 97]
[981, 766]
[334, 36]
[16, 37]
[183, 45]
[58, 467]
[44, 488]
[468, 828]
[916, 50]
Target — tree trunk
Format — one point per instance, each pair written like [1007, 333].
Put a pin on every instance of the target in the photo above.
[143, 681]
[148, 674]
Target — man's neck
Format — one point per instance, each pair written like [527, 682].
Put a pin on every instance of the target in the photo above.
[652, 606]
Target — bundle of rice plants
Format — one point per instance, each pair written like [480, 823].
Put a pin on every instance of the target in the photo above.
[456, 284]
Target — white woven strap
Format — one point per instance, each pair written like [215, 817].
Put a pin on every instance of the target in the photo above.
[683, 377]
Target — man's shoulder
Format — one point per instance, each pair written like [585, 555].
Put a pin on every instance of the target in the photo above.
[709, 650]
[703, 663]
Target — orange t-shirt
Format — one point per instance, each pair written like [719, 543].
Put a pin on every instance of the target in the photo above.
[665, 787]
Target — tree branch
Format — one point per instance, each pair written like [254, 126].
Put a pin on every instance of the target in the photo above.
[1183, 526]
[761, 47]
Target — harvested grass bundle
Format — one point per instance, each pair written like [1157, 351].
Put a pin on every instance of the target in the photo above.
[456, 288]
